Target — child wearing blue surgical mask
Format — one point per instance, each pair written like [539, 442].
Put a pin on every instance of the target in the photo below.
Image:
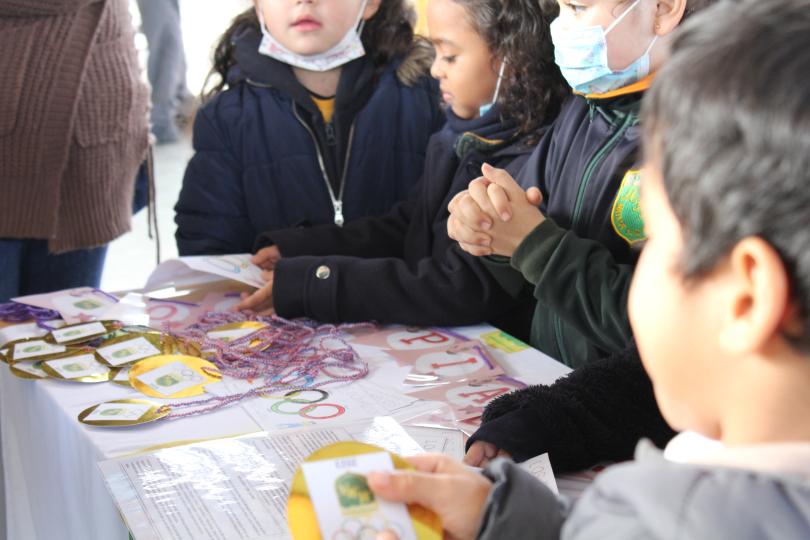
[719, 307]
[322, 114]
[567, 226]
[566, 231]
[590, 56]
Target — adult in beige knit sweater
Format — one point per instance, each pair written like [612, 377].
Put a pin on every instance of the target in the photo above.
[73, 132]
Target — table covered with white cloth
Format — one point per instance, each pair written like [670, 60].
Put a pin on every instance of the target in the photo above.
[53, 485]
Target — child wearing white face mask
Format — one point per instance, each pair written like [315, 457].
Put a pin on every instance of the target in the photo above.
[495, 69]
[322, 115]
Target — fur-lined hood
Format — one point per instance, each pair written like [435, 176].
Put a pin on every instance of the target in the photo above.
[417, 63]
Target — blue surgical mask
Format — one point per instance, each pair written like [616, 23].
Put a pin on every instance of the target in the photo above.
[484, 109]
[582, 55]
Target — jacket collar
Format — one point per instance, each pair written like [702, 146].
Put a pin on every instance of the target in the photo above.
[635, 88]
[617, 105]
[788, 458]
[354, 89]
[486, 134]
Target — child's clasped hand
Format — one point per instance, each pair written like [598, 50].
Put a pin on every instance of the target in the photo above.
[494, 215]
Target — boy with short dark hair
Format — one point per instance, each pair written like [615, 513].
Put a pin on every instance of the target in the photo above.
[719, 308]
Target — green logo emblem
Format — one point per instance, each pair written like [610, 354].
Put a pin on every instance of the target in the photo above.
[88, 304]
[167, 380]
[354, 495]
[626, 214]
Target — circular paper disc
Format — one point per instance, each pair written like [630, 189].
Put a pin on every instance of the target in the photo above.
[123, 413]
[301, 516]
[157, 344]
[188, 368]
[84, 332]
[72, 365]
[31, 370]
[35, 348]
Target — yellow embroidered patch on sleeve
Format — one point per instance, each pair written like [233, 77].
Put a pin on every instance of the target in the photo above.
[626, 213]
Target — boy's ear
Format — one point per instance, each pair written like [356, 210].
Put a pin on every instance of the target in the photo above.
[759, 299]
[668, 15]
[372, 7]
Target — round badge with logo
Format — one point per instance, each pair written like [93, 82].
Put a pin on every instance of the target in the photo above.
[79, 366]
[236, 330]
[129, 348]
[173, 376]
[330, 499]
[123, 413]
[35, 348]
[29, 369]
[81, 333]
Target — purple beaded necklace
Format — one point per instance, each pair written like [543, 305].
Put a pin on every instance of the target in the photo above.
[15, 312]
[288, 355]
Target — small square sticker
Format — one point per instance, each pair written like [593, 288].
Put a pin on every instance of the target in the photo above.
[36, 349]
[128, 351]
[127, 412]
[76, 367]
[72, 333]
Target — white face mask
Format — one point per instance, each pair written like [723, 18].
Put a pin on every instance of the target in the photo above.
[348, 49]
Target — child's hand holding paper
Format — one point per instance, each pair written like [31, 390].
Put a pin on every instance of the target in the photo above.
[260, 301]
[267, 257]
[345, 506]
[441, 484]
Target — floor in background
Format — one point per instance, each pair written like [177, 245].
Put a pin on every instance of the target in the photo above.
[131, 258]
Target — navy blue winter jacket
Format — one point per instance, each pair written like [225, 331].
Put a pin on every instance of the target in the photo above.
[265, 159]
[402, 267]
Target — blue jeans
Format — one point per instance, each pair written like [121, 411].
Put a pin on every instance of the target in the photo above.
[26, 268]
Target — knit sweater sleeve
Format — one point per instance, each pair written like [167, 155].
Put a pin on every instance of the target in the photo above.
[41, 8]
[597, 413]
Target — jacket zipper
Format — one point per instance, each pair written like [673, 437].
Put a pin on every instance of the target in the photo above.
[337, 202]
[589, 170]
[331, 138]
[346, 168]
[580, 200]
